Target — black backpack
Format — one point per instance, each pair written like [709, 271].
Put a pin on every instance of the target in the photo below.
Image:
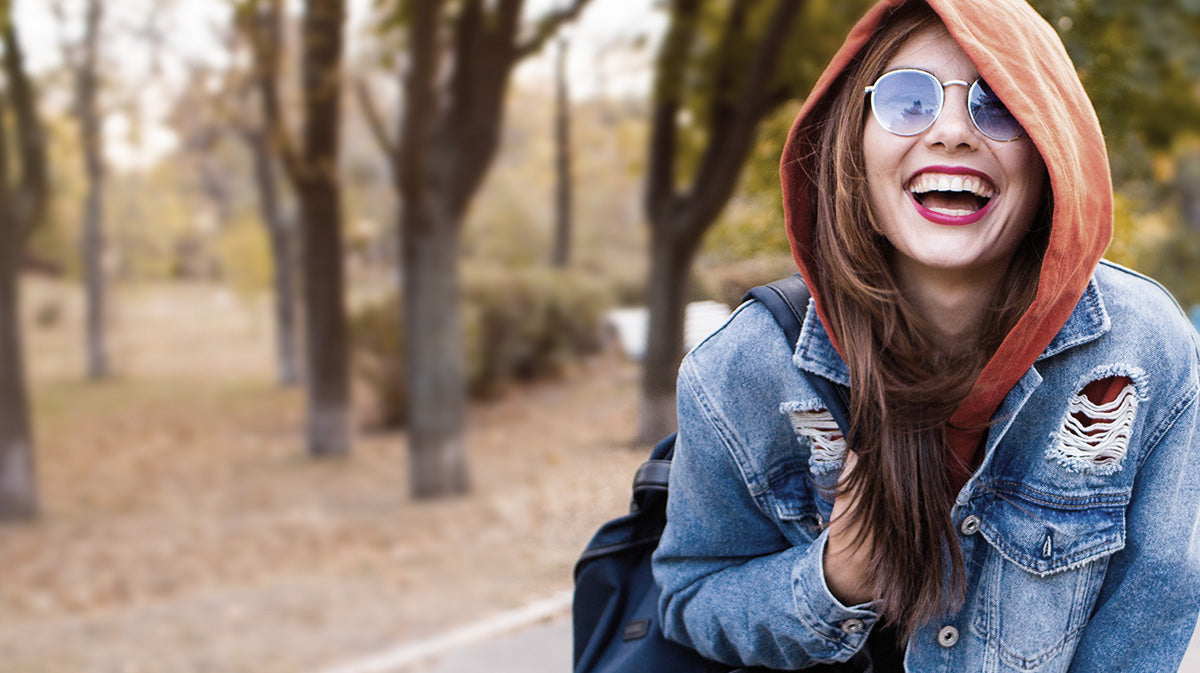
[615, 610]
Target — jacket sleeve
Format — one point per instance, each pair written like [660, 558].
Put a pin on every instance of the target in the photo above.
[1147, 607]
[733, 587]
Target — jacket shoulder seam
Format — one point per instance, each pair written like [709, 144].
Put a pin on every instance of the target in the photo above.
[754, 484]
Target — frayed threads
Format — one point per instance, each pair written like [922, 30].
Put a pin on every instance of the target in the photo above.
[1095, 436]
[828, 444]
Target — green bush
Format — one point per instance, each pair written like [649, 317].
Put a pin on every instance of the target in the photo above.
[518, 325]
[628, 284]
[377, 343]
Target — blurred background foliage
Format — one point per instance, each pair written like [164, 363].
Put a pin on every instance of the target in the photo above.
[1140, 63]
[191, 214]
[523, 323]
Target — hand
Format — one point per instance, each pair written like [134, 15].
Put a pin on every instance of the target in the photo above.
[846, 565]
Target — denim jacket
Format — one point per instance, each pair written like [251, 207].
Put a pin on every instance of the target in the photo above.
[1081, 543]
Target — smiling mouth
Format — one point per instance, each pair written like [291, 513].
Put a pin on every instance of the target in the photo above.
[951, 195]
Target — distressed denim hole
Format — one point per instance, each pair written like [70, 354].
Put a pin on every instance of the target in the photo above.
[1095, 434]
[828, 444]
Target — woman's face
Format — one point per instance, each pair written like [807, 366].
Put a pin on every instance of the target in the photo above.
[914, 181]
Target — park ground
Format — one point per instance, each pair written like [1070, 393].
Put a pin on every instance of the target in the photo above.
[183, 528]
[184, 531]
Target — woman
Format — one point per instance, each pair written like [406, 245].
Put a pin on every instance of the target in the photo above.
[1022, 490]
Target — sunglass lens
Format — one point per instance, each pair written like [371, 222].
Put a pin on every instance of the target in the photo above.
[990, 115]
[906, 101]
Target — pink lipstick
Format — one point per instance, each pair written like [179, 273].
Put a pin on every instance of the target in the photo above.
[945, 180]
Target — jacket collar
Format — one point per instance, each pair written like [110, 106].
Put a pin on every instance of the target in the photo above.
[1088, 322]
[815, 352]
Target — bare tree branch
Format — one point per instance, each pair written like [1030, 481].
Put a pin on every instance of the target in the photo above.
[31, 195]
[728, 145]
[70, 49]
[263, 26]
[87, 90]
[668, 97]
[547, 26]
[483, 63]
[723, 101]
[469, 38]
[246, 116]
[374, 118]
[421, 102]
[766, 59]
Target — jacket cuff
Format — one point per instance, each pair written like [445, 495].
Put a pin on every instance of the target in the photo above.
[843, 630]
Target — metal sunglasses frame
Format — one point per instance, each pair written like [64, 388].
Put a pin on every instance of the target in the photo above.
[972, 88]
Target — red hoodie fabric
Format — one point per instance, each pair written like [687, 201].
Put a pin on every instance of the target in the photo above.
[1051, 104]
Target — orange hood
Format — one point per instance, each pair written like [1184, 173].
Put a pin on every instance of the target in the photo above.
[1025, 63]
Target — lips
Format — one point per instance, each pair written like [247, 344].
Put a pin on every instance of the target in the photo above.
[951, 195]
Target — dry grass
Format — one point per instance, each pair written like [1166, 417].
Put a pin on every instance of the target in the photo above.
[183, 529]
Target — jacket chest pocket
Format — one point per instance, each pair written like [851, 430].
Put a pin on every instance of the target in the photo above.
[1040, 580]
[792, 501]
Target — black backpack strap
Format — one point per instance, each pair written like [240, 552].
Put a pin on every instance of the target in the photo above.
[787, 300]
[652, 476]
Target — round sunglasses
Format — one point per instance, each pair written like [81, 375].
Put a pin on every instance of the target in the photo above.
[906, 102]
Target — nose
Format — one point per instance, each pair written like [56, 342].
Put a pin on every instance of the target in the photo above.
[953, 128]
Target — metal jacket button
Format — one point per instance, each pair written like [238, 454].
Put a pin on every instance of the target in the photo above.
[852, 626]
[948, 636]
[970, 525]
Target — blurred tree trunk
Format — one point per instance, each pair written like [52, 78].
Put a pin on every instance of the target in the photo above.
[85, 64]
[261, 23]
[283, 256]
[313, 172]
[316, 184]
[448, 138]
[22, 202]
[562, 166]
[738, 100]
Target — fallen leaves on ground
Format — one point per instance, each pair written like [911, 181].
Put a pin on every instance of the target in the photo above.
[183, 529]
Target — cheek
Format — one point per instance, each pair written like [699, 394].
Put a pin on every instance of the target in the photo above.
[879, 161]
[1033, 182]
[883, 153]
[875, 150]
[1028, 164]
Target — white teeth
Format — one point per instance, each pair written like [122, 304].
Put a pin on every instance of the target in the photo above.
[941, 182]
[952, 212]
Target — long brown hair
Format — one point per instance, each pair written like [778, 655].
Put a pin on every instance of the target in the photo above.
[904, 387]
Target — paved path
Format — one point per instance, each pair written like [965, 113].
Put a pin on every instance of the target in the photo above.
[535, 638]
[545, 647]
[541, 648]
